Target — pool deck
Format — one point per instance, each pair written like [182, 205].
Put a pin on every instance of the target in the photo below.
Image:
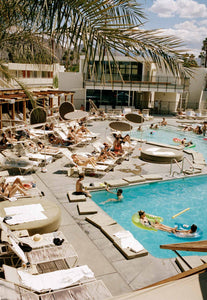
[93, 247]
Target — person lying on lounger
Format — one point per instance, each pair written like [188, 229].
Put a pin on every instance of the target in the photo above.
[144, 220]
[79, 187]
[10, 189]
[118, 194]
[81, 160]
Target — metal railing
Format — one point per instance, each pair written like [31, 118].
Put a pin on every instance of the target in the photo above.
[181, 168]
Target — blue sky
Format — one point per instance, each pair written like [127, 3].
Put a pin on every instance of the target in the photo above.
[186, 19]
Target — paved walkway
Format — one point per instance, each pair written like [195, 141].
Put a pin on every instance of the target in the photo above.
[94, 249]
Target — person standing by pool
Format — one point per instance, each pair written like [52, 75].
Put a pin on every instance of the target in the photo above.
[118, 194]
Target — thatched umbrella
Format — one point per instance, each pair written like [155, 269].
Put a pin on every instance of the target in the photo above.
[120, 126]
[66, 107]
[75, 115]
[134, 118]
[38, 115]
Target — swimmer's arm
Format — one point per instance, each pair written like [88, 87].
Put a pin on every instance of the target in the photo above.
[107, 189]
[109, 200]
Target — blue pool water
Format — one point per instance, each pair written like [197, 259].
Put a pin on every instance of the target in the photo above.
[164, 199]
[166, 134]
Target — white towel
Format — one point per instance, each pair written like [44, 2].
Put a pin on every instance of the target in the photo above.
[23, 209]
[24, 218]
[128, 241]
[55, 280]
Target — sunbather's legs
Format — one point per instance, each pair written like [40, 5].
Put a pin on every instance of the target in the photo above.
[16, 188]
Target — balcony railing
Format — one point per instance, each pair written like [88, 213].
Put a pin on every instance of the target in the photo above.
[157, 83]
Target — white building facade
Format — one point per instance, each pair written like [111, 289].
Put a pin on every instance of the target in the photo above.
[139, 84]
[32, 75]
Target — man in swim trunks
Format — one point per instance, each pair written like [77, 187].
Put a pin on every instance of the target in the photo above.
[192, 230]
[79, 187]
[118, 194]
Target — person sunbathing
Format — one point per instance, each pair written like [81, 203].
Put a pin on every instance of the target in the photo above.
[55, 140]
[117, 147]
[10, 189]
[102, 157]
[11, 137]
[83, 129]
[81, 160]
[108, 151]
[3, 141]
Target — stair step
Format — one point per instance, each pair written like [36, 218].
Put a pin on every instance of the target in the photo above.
[190, 172]
[193, 261]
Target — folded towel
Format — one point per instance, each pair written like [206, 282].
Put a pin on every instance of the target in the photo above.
[128, 241]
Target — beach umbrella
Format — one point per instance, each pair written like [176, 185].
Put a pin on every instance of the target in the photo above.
[120, 126]
[38, 115]
[134, 118]
[66, 107]
[75, 115]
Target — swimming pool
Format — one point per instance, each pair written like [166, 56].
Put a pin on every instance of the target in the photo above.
[165, 199]
[166, 134]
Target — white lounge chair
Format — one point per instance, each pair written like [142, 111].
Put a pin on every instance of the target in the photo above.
[43, 250]
[40, 283]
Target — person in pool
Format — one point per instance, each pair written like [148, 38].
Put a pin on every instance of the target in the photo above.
[146, 222]
[192, 230]
[118, 194]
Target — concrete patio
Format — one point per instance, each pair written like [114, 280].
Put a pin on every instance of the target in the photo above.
[93, 247]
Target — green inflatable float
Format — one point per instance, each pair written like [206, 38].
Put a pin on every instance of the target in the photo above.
[151, 218]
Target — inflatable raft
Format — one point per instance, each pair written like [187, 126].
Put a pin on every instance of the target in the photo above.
[197, 235]
[151, 218]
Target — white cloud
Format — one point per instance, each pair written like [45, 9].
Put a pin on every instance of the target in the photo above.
[182, 8]
[191, 33]
[164, 8]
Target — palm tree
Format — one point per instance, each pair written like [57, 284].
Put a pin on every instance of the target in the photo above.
[99, 26]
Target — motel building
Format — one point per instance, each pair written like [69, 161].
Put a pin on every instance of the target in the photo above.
[139, 85]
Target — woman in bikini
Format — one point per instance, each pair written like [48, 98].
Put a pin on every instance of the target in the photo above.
[9, 190]
[144, 220]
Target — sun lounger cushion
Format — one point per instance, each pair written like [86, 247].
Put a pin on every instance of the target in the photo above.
[116, 182]
[75, 198]
[51, 211]
[133, 179]
[53, 280]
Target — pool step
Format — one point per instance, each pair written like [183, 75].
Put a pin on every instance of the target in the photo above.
[190, 172]
[193, 261]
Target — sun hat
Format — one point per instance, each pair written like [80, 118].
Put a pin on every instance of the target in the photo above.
[37, 237]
